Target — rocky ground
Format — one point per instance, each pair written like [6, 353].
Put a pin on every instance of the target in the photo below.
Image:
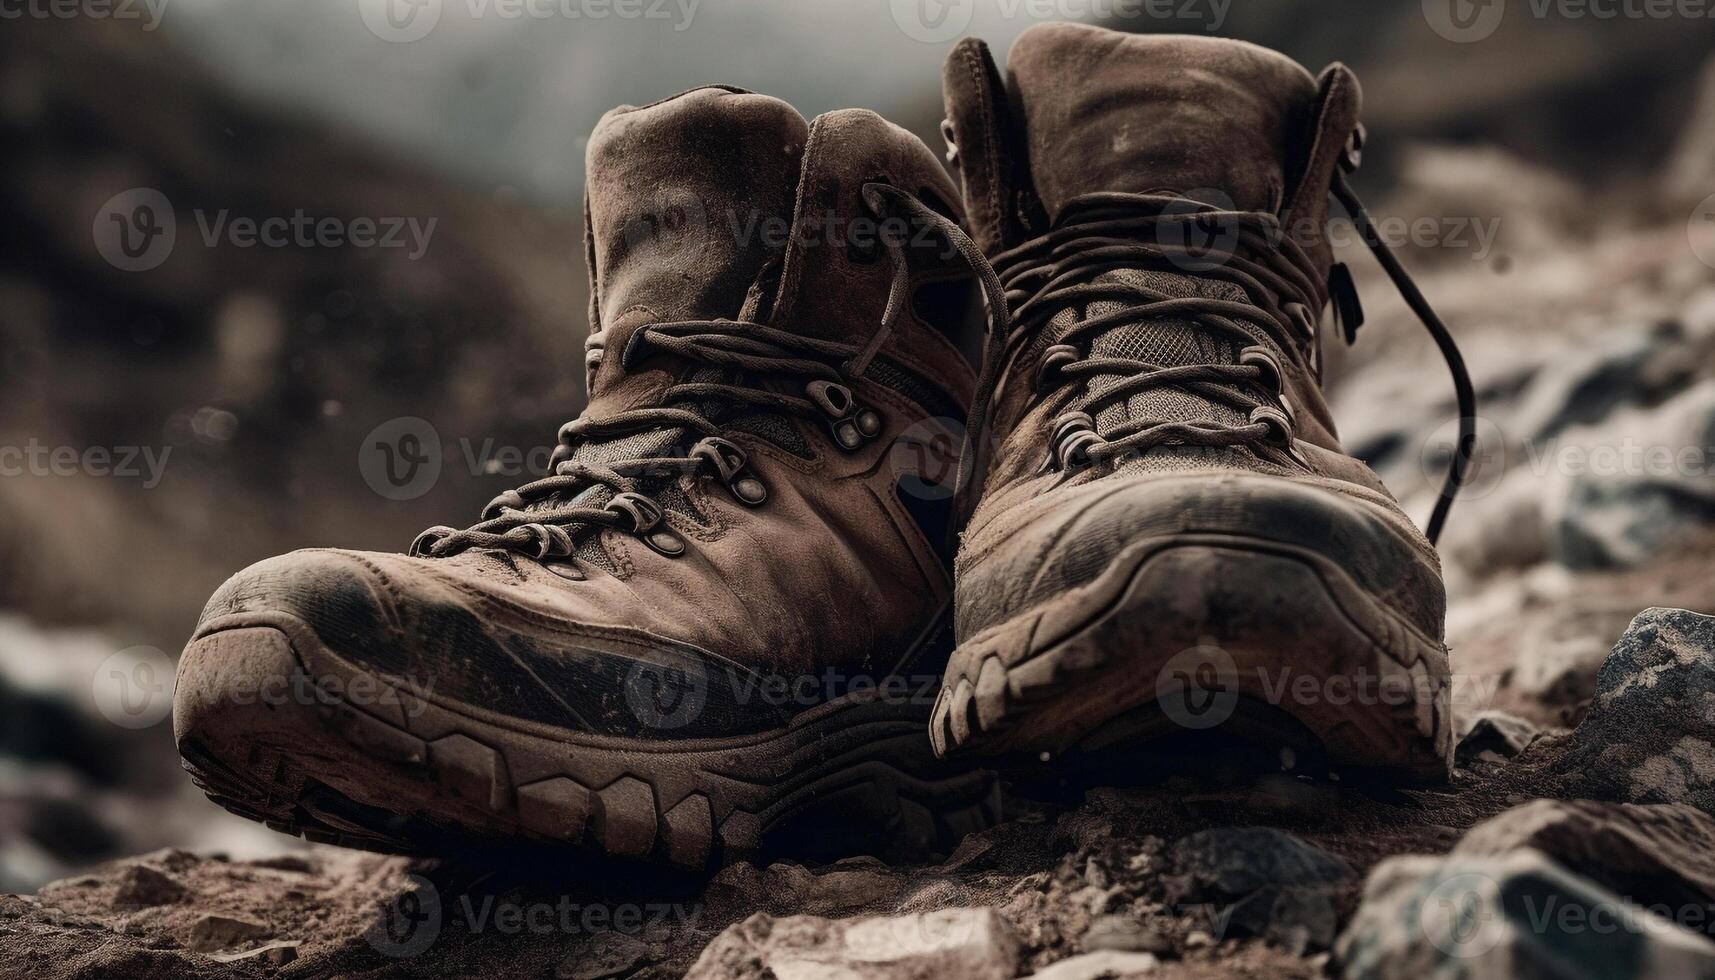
[1574, 840]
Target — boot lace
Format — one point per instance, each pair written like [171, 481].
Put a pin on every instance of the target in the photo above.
[1105, 232]
[545, 518]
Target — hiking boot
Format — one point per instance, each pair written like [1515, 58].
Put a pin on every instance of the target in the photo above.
[1164, 534]
[718, 625]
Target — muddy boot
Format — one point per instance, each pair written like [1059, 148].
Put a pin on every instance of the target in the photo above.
[718, 625]
[1164, 533]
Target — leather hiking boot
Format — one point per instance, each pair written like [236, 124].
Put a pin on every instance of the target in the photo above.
[1164, 535]
[717, 626]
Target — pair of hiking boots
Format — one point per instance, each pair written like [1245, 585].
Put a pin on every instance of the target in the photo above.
[731, 619]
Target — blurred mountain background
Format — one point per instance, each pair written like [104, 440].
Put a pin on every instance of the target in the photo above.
[259, 371]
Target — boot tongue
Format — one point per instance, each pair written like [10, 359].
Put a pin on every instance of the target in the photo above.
[687, 199]
[1103, 111]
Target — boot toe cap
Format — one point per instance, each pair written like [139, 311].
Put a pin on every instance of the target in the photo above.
[1071, 540]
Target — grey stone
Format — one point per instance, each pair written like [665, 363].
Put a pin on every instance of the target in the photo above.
[1105, 965]
[1231, 862]
[1654, 855]
[1627, 502]
[1494, 736]
[1258, 881]
[1518, 915]
[141, 886]
[951, 944]
[1124, 934]
[1650, 734]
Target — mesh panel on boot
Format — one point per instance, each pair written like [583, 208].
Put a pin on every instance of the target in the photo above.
[1169, 342]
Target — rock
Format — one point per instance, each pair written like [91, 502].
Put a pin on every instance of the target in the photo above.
[1647, 737]
[1259, 881]
[1231, 862]
[1625, 491]
[214, 932]
[1124, 934]
[1690, 174]
[1557, 665]
[1494, 736]
[1655, 855]
[1519, 915]
[952, 944]
[277, 954]
[141, 886]
[1105, 965]
[834, 890]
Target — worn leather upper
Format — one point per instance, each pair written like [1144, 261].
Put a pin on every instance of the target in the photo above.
[1082, 111]
[706, 205]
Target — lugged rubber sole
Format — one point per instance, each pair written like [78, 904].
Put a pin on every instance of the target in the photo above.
[1269, 641]
[401, 774]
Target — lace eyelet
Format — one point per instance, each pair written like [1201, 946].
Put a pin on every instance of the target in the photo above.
[1300, 315]
[1280, 425]
[851, 423]
[648, 523]
[731, 465]
[421, 546]
[509, 500]
[1264, 360]
[1053, 359]
[1074, 435]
